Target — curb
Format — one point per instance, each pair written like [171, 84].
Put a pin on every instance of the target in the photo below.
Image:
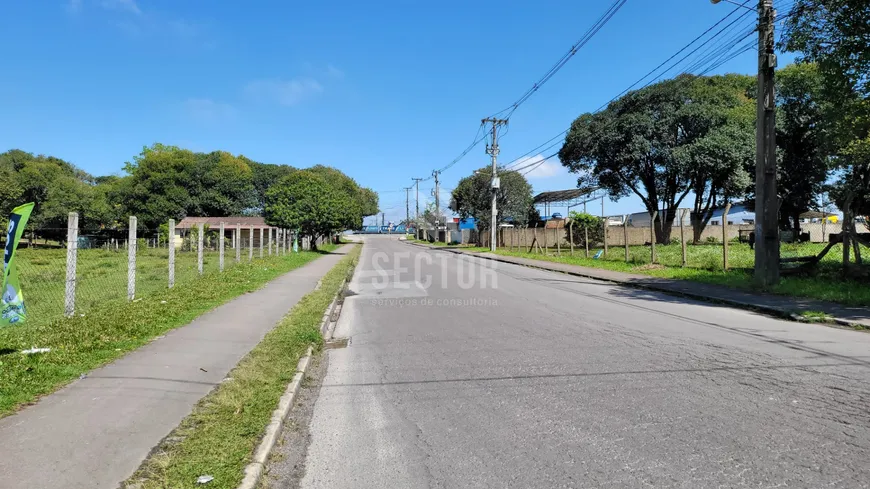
[769, 311]
[254, 470]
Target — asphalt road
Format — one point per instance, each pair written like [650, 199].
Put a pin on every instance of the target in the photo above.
[496, 375]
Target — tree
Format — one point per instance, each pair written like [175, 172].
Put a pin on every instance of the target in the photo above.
[56, 187]
[167, 182]
[585, 225]
[264, 175]
[835, 35]
[220, 184]
[656, 142]
[156, 188]
[431, 216]
[472, 197]
[363, 201]
[307, 202]
[800, 137]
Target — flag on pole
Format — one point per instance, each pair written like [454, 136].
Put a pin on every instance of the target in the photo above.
[12, 309]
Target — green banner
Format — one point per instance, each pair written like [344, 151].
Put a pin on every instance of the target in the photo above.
[12, 309]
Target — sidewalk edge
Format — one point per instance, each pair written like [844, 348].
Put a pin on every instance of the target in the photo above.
[767, 310]
[255, 469]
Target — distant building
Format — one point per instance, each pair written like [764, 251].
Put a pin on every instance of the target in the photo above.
[641, 219]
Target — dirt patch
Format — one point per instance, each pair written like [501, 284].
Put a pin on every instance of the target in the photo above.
[650, 266]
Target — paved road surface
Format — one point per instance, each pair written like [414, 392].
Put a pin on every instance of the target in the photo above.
[546, 380]
[95, 432]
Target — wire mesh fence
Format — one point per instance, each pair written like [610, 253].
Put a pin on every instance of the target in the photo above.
[101, 264]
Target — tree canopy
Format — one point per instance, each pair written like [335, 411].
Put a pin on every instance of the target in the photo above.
[308, 202]
[689, 134]
[162, 182]
[472, 197]
[835, 35]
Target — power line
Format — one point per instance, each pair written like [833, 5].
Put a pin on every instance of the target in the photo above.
[590, 33]
[587, 36]
[647, 75]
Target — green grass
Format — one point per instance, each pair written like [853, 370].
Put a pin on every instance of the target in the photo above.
[113, 328]
[814, 315]
[101, 277]
[705, 265]
[220, 435]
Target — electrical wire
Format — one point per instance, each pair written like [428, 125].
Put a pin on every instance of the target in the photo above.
[587, 36]
[520, 159]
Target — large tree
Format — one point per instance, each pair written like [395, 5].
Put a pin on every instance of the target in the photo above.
[472, 197]
[264, 176]
[56, 186]
[663, 142]
[166, 182]
[306, 201]
[835, 34]
[800, 138]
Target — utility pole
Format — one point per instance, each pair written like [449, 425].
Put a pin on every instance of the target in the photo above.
[492, 150]
[407, 209]
[766, 199]
[437, 206]
[417, 180]
[382, 218]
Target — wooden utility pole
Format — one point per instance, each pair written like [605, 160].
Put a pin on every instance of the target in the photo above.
[766, 199]
[407, 209]
[437, 206]
[492, 150]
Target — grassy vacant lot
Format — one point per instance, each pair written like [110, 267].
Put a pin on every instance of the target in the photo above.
[115, 327]
[705, 265]
[219, 437]
[101, 276]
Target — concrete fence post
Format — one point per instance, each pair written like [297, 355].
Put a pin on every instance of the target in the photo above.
[261, 242]
[280, 245]
[238, 243]
[652, 236]
[171, 250]
[221, 248]
[72, 239]
[131, 259]
[251, 243]
[625, 237]
[269, 241]
[725, 236]
[604, 222]
[586, 237]
[683, 235]
[558, 242]
[199, 238]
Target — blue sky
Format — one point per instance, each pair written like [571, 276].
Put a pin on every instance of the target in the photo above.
[383, 90]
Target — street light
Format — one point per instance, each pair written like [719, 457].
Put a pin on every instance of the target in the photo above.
[714, 2]
[766, 198]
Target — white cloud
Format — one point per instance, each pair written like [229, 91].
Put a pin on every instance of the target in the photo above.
[123, 5]
[208, 111]
[283, 92]
[74, 6]
[535, 168]
[334, 72]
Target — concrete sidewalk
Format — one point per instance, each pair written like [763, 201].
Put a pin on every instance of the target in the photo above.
[769, 303]
[95, 433]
